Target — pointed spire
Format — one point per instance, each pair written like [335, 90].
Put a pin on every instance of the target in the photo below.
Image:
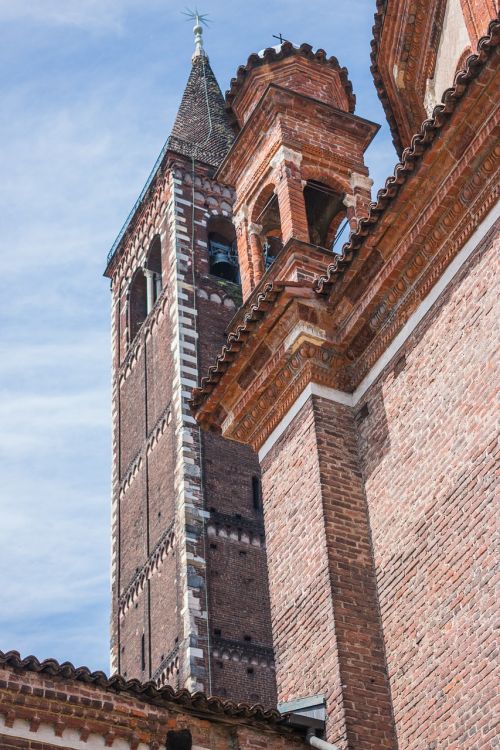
[201, 128]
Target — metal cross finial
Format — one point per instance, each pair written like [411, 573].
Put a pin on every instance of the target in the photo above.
[200, 20]
[281, 39]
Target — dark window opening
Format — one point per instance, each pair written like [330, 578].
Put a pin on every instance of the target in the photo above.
[325, 212]
[143, 652]
[222, 250]
[242, 552]
[247, 638]
[267, 216]
[217, 631]
[256, 493]
[362, 413]
[137, 304]
[249, 670]
[154, 271]
[179, 740]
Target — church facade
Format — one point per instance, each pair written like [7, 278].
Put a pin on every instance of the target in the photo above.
[304, 429]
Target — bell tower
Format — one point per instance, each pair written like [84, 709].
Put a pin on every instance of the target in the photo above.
[297, 166]
[280, 384]
[190, 603]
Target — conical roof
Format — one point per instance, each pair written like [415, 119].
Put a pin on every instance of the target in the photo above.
[201, 129]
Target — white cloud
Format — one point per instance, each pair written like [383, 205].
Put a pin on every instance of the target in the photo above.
[91, 14]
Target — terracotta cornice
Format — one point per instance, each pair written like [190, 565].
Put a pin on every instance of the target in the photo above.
[378, 24]
[240, 154]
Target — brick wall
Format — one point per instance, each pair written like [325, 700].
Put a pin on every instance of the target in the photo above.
[429, 446]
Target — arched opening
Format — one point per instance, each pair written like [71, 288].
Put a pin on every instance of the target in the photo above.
[266, 214]
[137, 303]
[222, 250]
[153, 272]
[326, 213]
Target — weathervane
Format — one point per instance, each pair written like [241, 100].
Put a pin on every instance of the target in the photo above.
[200, 20]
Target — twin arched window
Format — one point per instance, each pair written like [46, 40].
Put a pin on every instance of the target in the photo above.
[145, 288]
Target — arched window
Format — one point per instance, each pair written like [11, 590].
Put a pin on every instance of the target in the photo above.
[137, 303]
[153, 272]
[222, 250]
[325, 212]
[267, 215]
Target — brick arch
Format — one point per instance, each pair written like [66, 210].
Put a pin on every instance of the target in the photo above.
[320, 174]
[260, 202]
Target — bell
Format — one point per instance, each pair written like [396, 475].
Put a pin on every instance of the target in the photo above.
[220, 266]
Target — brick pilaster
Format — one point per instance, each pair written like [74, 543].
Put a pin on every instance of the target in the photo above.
[244, 253]
[326, 625]
[290, 192]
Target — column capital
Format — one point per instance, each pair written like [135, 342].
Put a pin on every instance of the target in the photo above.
[362, 181]
[241, 214]
[349, 201]
[255, 228]
[284, 154]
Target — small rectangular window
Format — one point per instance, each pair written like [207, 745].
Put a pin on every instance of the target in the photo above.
[143, 652]
[256, 493]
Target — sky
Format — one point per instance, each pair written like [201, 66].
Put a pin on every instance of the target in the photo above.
[89, 92]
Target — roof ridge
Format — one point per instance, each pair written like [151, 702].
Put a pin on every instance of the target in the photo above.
[198, 701]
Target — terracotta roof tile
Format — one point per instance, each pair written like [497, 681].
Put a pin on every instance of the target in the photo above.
[146, 691]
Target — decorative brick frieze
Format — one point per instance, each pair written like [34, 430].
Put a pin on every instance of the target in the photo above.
[151, 566]
[240, 651]
[168, 669]
[236, 527]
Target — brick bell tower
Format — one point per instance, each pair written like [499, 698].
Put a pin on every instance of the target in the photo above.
[190, 603]
[280, 386]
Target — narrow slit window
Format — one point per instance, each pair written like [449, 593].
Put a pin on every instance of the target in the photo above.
[256, 493]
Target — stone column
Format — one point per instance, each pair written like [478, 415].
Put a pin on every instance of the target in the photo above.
[254, 231]
[150, 289]
[245, 256]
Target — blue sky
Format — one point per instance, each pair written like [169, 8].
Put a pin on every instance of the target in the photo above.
[89, 90]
